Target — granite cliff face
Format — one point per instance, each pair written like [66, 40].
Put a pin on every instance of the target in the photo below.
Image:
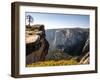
[68, 43]
[36, 44]
[56, 44]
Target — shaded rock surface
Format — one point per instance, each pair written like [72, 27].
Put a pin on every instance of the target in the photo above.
[36, 44]
[84, 57]
[70, 42]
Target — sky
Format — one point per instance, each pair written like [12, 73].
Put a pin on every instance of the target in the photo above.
[56, 20]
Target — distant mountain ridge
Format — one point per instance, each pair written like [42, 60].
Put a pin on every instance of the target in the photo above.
[69, 41]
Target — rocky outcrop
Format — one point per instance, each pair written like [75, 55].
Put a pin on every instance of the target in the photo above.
[69, 41]
[36, 44]
[84, 57]
[86, 47]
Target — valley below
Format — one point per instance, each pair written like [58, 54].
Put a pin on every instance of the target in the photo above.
[56, 47]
